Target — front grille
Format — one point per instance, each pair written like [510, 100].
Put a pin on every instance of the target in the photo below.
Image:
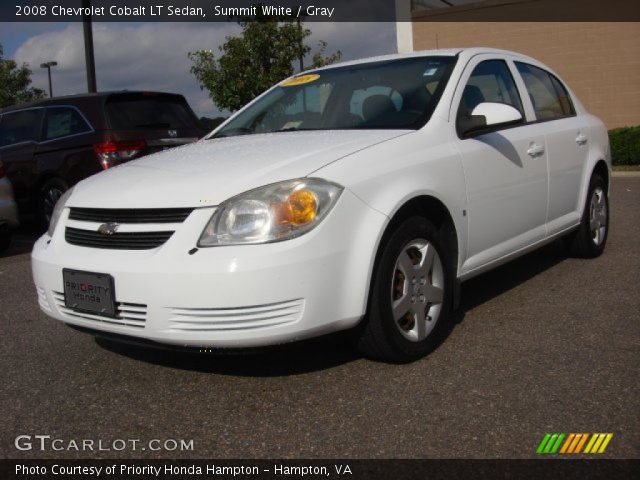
[127, 314]
[117, 241]
[130, 215]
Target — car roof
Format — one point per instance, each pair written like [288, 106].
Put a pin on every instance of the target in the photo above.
[96, 98]
[442, 52]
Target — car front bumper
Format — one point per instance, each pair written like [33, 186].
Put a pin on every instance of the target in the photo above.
[233, 296]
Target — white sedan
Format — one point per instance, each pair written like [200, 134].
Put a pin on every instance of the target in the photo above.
[356, 195]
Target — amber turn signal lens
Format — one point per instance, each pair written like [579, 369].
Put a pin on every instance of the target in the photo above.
[300, 207]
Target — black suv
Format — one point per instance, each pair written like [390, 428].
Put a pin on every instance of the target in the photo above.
[48, 146]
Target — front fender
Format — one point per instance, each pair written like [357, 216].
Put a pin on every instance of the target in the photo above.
[388, 175]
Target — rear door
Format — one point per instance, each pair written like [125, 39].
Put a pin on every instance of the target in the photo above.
[566, 137]
[66, 146]
[505, 169]
[19, 132]
[160, 120]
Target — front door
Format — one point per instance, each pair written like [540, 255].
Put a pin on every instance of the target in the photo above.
[505, 170]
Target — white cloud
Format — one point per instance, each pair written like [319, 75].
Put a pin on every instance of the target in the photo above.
[153, 56]
[150, 56]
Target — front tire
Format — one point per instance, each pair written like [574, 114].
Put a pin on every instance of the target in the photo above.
[591, 237]
[410, 304]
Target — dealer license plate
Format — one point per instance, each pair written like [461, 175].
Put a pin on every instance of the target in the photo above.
[89, 292]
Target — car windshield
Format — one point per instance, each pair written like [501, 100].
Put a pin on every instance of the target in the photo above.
[396, 94]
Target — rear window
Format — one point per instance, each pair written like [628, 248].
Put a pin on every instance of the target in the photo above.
[124, 113]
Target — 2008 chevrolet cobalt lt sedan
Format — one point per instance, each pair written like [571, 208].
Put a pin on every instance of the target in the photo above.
[359, 194]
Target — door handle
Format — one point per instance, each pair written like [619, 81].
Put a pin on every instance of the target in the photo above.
[535, 150]
[581, 139]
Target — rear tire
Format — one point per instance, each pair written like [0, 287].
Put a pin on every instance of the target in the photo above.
[589, 240]
[410, 304]
[48, 195]
[5, 241]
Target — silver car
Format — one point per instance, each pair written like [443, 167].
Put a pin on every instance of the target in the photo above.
[8, 211]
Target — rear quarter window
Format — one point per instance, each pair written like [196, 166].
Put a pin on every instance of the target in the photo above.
[63, 122]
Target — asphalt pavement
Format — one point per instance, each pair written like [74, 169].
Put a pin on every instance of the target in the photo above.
[544, 344]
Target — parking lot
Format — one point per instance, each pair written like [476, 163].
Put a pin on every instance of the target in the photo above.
[544, 344]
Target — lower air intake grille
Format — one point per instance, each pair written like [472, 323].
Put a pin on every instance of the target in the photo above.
[127, 314]
[242, 318]
[117, 241]
[122, 215]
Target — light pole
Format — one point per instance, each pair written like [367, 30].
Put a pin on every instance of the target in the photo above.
[48, 66]
[89, 57]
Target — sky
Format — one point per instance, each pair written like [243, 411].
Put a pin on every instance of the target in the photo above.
[153, 56]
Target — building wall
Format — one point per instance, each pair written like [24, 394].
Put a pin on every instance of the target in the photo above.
[599, 60]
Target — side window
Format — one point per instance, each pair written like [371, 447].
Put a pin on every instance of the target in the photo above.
[17, 127]
[62, 122]
[549, 97]
[490, 81]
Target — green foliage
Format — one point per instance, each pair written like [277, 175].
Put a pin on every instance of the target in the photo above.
[320, 60]
[251, 63]
[14, 83]
[625, 145]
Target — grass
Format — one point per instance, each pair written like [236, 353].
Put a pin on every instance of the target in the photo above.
[626, 168]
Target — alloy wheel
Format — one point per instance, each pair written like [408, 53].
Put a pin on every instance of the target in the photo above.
[598, 216]
[417, 290]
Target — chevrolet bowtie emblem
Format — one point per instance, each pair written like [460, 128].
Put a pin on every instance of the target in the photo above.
[108, 228]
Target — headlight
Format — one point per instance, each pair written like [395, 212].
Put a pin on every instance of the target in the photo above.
[57, 211]
[272, 213]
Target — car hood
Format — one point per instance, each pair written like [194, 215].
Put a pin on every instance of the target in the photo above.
[210, 171]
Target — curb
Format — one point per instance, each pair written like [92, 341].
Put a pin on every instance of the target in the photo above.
[635, 174]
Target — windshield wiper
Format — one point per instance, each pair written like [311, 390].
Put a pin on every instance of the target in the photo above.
[232, 132]
[294, 129]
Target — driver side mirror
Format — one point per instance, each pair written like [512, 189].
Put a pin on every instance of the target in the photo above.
[487, 115]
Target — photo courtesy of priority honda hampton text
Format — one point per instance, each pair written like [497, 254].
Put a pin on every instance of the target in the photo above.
[356, 196]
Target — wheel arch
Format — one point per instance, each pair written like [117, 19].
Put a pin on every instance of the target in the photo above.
[599, 167]
[43, 178]
[431, 208]
[434, 210]
[602, 169]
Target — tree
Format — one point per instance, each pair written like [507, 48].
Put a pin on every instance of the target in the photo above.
[14, 83]
[249, 64]
[320, 60]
